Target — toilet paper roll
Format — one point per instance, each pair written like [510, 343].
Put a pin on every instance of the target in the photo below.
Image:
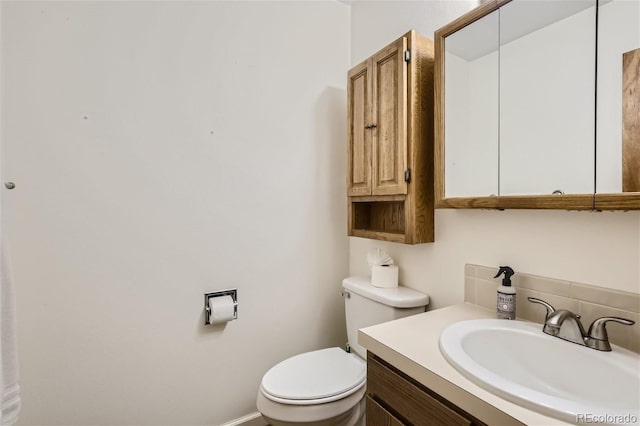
[385, 276]
[221, 309]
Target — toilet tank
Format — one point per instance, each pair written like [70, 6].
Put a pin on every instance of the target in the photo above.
[367, 305]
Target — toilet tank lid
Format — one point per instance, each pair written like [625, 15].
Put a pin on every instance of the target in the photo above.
[397, 297]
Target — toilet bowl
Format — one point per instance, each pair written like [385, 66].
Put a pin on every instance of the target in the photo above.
[327, 387]
[320, 388]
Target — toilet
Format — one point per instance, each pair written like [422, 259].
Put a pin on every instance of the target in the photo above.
[326, 387]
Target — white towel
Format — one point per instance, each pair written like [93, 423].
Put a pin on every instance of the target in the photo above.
[9, 387]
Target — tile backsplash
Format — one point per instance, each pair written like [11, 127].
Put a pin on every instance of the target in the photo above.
[590, 302]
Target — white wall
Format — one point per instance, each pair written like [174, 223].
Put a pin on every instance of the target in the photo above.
[593, 248]
[211, 156]
[162, 150]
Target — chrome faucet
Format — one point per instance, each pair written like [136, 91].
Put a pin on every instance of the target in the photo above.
[566, 325]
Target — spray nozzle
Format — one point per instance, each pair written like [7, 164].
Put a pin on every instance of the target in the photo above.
[508, 272]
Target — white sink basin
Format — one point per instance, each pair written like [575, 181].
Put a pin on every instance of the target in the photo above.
[517, 361]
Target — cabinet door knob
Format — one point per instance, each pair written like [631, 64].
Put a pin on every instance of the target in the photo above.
[9, 185]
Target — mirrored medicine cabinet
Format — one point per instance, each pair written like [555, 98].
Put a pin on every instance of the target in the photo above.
[538, 106]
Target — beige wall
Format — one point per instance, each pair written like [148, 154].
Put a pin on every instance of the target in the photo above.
[162, 150]
[593, 248]
[600, 249]
[375, 23]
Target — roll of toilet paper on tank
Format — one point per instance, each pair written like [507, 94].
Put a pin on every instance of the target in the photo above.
[221, 309]
[385, 276]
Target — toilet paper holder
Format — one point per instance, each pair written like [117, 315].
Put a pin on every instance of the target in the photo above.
[233, 292]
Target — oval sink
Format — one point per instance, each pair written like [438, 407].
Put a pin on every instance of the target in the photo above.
[517, 361]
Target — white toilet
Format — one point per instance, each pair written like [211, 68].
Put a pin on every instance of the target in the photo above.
[326, 387]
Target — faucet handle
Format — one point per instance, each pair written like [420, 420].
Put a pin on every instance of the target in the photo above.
[550, 309]
[598, 329]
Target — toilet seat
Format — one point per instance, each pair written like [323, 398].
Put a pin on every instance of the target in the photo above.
[316, 377]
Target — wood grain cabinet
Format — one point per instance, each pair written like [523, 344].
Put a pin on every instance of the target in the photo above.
[395, 399]
[390, 143]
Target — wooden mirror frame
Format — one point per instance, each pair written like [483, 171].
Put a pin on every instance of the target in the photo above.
[595, 201]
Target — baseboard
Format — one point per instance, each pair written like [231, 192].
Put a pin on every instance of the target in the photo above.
[253, 419]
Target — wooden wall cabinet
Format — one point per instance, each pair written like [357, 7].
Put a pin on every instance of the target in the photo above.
[390, 143]
[395, 399]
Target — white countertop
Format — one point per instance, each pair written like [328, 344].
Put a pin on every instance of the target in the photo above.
[411, 345]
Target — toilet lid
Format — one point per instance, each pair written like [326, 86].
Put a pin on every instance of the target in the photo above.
[315, 375]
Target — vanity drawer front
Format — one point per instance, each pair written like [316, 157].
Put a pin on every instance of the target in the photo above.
[377, 415]
[408, 400]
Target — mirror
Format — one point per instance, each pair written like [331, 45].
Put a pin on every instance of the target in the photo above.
[618, 39]
[547, 104]
[517, 125]
[471, 110]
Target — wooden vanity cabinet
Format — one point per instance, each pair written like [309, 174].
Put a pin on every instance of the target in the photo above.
[390, 143]
[393, 399]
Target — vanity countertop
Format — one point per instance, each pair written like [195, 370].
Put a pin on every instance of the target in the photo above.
[411, 345]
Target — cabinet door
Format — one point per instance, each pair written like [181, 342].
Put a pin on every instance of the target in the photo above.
[359, 128]
[414, 403]
[389, 115]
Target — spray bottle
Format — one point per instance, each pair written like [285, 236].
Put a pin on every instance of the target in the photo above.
[506, 301]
